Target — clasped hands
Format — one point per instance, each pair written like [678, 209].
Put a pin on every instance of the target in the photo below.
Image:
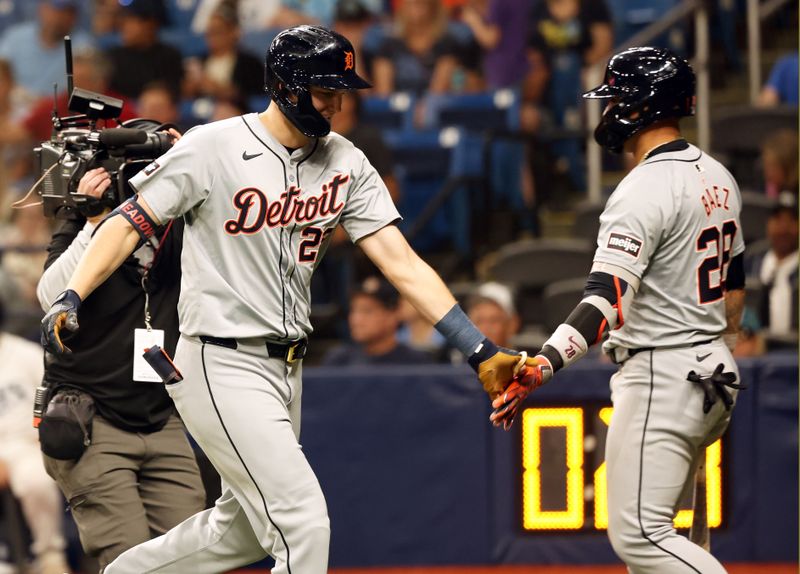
[508, 378]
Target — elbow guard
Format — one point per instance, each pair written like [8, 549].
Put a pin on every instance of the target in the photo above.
[605, 300]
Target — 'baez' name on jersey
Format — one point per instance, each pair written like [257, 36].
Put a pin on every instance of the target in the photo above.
[289, 208]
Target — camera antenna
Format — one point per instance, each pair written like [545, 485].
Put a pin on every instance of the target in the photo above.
[55, 119]
[68, 54]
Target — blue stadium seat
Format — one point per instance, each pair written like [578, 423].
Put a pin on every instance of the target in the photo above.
[181, 13]
[257, 103]
[195, 112]
[189, 43]
[256, 42]
[373, 37]
[14, 12]
[488, 110]
[395, 112]
[631, 16]
[423, 166]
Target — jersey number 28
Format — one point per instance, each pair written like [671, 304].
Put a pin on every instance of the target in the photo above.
[715, 266]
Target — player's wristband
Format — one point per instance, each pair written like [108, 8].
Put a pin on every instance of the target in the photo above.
[486, 350]
[460, 332]
[134, 214]
[568, 343]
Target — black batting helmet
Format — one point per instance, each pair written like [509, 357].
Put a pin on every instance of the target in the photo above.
[306, 56]
[649, 85]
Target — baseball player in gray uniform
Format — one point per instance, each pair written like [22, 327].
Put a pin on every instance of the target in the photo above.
[667, 285]
[261, 195]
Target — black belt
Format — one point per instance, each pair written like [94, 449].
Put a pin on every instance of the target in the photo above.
[289, 352]
[632, 352]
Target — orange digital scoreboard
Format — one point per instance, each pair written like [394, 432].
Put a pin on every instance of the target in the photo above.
[564, 485]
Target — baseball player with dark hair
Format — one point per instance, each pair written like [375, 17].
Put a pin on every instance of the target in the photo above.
[667, 284]
[261, 195]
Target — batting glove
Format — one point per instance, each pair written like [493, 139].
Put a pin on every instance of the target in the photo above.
[714, 385]
[496, 366]
[63, 314]
[530, 374]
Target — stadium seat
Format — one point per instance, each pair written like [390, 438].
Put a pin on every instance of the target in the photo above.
[196, 112]
[587, 220]
[538, 262]
[483, 111]
[531, 265]
[180, 13]
[560, 298]
[737, 134]
[422, 165]
[258, 103]
[189, 43]
[256, 42]
[395, 112]
[632, 16]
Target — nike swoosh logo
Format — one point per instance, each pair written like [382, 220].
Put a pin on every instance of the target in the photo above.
[246, 156]
[574, 342]
[701, 358]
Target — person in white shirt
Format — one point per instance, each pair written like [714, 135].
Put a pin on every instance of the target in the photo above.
[21, 466]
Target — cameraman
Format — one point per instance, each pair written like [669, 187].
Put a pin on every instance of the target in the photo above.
[138, 476]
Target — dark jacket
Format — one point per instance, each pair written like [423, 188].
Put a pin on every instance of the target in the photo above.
[101, 362]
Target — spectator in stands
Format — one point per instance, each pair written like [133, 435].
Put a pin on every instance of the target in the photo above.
[566, 36]
[491, 307]
[14, 153]
[782, 85]
[91, 71]
[422, 55]
[226, 71]
[142, 58]
[105, 16]
[253, 14]
[779, 159]
[501, 29]
[355, 22]
[373, 321]
[24, 244]
[21, 466]
[35, 49]
[159, 102]
[777, 269]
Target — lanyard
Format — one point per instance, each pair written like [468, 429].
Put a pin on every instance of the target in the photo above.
[146, 274]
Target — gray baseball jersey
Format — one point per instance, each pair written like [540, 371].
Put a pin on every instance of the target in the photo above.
[259, 218]
[673, 222]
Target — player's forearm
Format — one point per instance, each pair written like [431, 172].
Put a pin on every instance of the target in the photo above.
[416, 281]
[55, 278]
[111, 245]
[734, 308]
[607, 296]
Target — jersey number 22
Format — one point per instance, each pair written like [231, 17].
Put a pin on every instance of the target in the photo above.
[722, 239]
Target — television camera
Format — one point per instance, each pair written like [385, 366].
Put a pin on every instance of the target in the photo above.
[78, 145]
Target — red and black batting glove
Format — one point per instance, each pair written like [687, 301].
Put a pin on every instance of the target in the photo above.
[63, 314]
[529, 375]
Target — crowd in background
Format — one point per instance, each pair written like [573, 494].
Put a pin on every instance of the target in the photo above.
[192, 61]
